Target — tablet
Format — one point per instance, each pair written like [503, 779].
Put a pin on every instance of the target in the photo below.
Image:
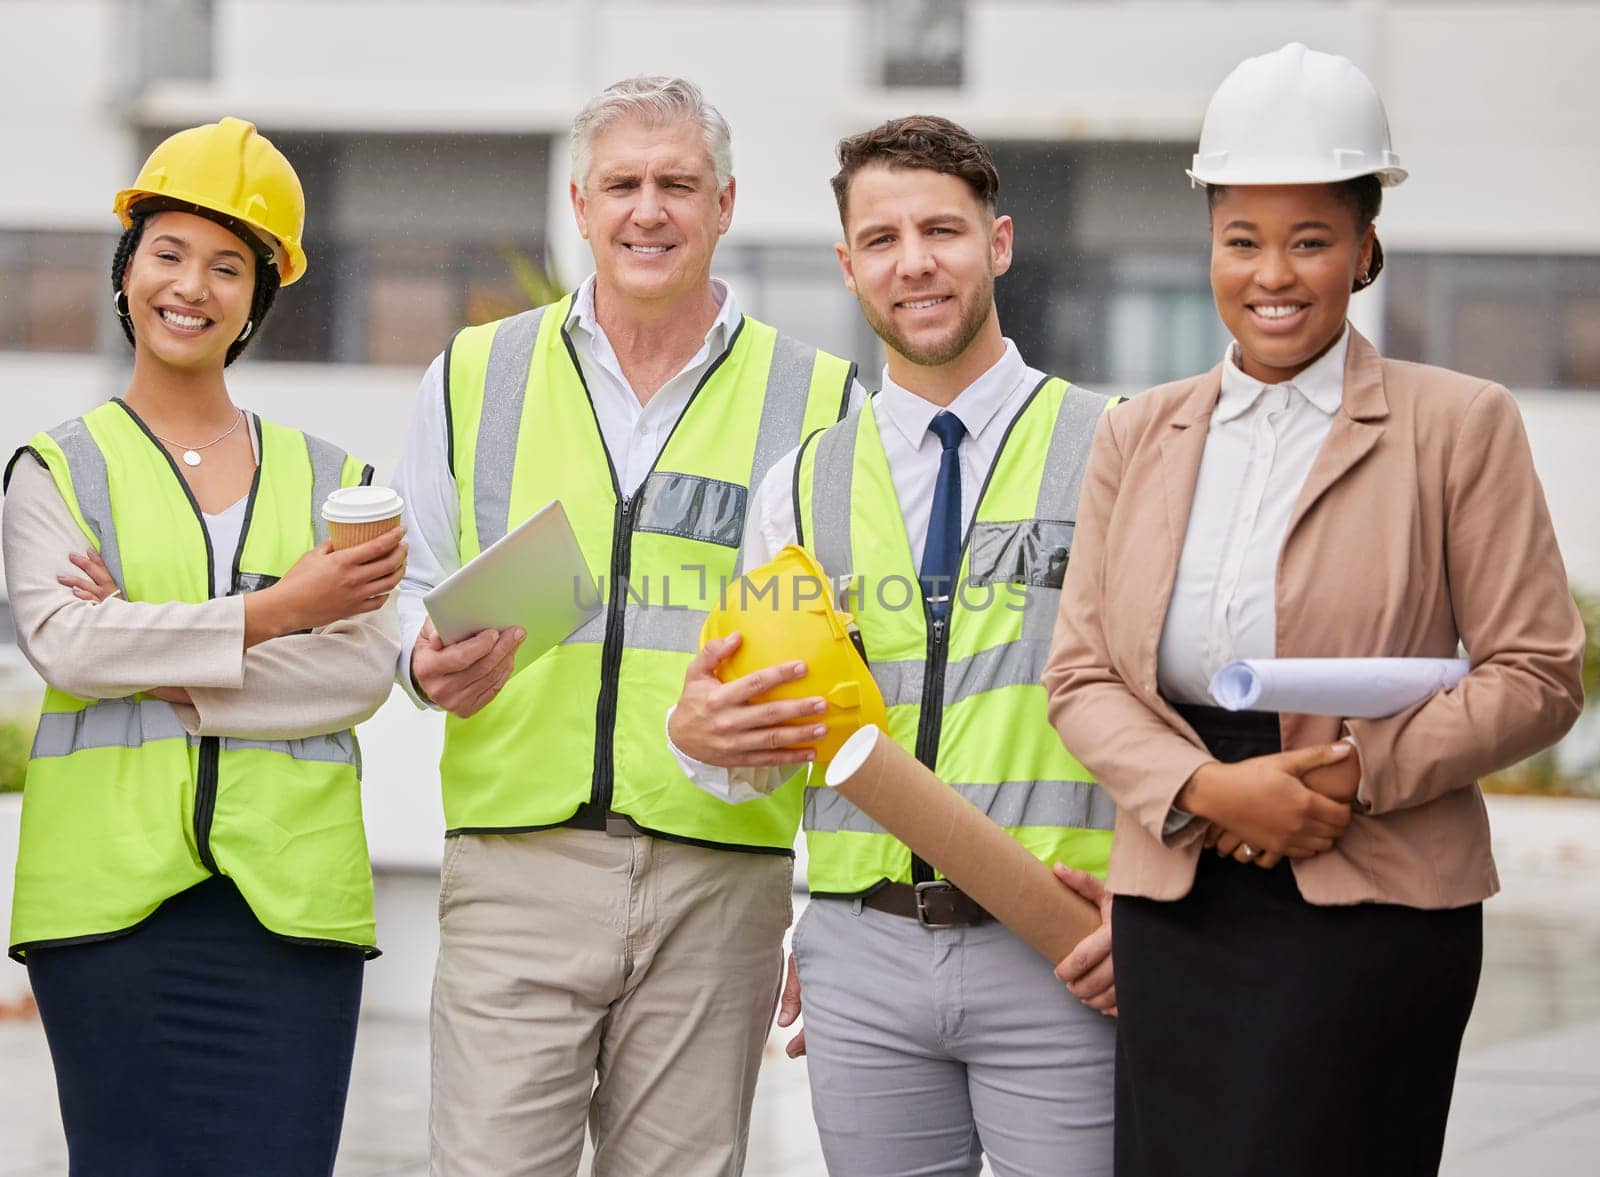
[534, 576]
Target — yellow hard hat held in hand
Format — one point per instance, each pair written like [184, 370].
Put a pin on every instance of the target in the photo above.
[230, 169]
[784, 610]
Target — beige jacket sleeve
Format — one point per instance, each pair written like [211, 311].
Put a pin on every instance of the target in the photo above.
[1516, 617]
[1134, 753]
[298, 685]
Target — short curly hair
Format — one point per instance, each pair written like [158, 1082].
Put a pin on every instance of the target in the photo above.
[923, 141]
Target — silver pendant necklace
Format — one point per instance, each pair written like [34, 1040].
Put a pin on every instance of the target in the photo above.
[191, 453]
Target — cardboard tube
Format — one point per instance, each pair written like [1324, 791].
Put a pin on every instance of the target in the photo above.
[951, 834]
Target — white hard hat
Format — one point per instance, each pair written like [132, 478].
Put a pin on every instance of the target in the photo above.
[1295, 116]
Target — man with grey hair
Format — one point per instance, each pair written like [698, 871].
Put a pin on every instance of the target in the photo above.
[609, 935]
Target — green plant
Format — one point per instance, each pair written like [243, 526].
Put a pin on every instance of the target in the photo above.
[540, 284]
[16, 737]
[1589, 610]
[1542, 774]
[536, 286]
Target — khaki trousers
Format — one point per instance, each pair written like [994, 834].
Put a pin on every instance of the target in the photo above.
[623, 983]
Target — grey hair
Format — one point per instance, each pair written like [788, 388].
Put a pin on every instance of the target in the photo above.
[655, 99]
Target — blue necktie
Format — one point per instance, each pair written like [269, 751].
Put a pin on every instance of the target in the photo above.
[941, 555]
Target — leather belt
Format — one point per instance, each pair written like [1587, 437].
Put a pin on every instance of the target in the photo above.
[618, 825]
[938, 904]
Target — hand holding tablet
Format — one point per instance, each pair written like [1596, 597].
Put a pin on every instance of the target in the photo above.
[534, 577]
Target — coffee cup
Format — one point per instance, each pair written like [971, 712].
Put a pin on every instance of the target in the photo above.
[355, 514]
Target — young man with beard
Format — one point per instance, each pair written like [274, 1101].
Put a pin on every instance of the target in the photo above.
[934, 1035]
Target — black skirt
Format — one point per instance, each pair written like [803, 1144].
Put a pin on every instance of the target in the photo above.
[1261, 1034]
[200, 1043]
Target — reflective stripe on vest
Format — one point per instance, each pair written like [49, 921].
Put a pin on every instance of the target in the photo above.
[130, 723]
[123, 807]
[1081, 804]
[91, 502]
[994, 745]
[585, 720]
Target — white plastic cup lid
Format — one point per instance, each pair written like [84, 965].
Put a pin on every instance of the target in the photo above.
[361, 504]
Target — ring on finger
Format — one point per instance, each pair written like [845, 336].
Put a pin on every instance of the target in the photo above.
[1248, 851]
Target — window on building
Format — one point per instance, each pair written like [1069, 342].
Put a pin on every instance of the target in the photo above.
[1525, 321]
[415, 297]
[174, 39]
[55, 290]
[919, 42]
[799, 288]
[1121, 320]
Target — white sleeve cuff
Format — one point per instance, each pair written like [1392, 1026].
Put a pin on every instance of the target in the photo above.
[733, 785]
[1177, 819]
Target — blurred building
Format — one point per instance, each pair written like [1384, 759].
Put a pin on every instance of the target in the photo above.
[430, 135]
[431, 139]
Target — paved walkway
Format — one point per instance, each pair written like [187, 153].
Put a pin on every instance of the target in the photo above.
[1529, 1107]
[1527, 1097]
[1528, 1104]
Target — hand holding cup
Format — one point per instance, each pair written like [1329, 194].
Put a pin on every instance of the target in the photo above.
[349, 574]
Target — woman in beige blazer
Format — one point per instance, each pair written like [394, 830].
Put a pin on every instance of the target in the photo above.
[1293, 1003]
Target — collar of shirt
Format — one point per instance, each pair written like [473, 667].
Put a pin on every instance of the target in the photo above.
[1322, 383]
[977, 404]
[582, 319]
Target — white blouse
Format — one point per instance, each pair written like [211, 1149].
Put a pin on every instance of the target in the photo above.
[1260, 446]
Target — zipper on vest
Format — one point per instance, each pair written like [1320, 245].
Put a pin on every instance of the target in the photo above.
[931, 720]
[611, 655]
[205, 799]
[603, 778]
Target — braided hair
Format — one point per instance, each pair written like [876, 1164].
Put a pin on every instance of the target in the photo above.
[267, 280]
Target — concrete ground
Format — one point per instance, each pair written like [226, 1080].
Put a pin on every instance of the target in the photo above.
[1527, 1096]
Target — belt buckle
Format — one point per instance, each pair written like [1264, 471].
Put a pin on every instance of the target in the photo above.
[922, 890]
[618, 826]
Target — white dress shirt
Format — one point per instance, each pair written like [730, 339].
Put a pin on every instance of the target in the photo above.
[227, 525]
[633, 433]
[1260, 446]
[986, 408]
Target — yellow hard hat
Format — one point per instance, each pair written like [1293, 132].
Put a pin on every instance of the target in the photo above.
[784, 610]
[232, 169]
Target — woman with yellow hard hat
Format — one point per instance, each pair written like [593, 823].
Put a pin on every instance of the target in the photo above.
[193, 897]
[1298, 913]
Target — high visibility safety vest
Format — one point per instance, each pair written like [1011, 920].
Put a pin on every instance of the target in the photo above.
[579, 734]
[122, 808]
[963, 692]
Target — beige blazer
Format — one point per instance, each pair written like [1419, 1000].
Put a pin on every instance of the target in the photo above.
[1421, 524]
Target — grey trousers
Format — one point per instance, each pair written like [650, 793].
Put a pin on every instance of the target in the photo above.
[623, 984]
[931, 1048]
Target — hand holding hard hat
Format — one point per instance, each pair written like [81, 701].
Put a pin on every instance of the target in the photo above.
[784, 615]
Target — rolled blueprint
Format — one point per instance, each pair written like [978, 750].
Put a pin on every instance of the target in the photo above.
[952, 835]
[1351, 688]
